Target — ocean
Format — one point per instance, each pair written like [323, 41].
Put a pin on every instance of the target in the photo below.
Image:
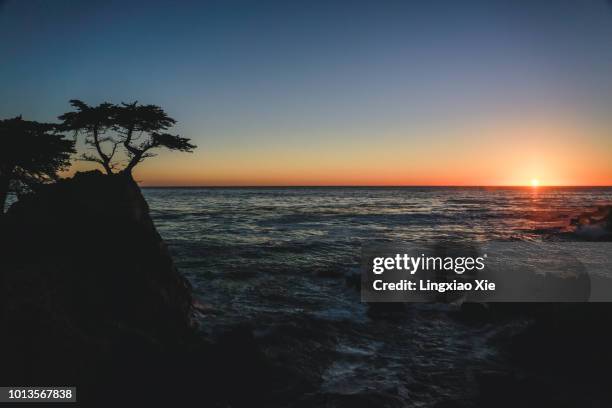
[283, 261]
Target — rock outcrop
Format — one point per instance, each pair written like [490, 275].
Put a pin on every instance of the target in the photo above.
[87, 285]
[595, 225]
[90, 297]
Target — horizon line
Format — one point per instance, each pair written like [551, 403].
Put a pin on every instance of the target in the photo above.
[382, 186]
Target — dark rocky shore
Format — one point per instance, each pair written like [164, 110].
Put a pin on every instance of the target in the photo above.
[594, 225]
[91, 297]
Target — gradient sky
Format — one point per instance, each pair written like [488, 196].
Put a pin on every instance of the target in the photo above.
[333, 92]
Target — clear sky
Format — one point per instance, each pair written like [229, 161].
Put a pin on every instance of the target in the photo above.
[333, 92]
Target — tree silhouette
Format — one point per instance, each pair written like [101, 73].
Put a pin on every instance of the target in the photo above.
[138, 129]
[94, 122]
[141, 128]
[31, 154]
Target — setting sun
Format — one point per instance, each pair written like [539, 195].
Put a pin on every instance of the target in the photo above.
[535, 182]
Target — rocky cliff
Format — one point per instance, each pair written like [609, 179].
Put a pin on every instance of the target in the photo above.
[90, 297]
[87, 285]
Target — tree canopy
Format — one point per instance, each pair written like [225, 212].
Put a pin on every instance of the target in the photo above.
[31, 153]
[122, 135]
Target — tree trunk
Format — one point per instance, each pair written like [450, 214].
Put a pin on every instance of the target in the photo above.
[105, 159]
[4, 187]
[108, 169]
[128, 171]
[135, 160]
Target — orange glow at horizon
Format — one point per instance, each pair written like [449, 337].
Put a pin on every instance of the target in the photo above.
[492, 155]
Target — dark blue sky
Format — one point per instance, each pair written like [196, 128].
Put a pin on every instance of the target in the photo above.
[298, 82]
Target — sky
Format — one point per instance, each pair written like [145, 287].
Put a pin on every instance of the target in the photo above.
[333, 92]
